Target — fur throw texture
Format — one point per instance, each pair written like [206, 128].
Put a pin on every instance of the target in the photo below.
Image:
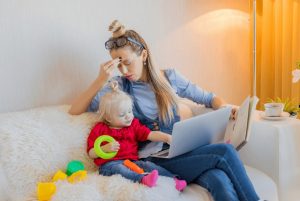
[34, 144]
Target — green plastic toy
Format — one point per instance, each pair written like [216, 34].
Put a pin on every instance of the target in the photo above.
[74, 166]
[99, 152]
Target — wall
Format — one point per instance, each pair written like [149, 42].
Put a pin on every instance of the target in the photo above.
[51, 50]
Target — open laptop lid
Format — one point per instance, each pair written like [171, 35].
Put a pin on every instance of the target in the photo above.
[198, 131]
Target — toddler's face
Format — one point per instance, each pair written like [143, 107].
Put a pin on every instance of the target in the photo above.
[122, 116]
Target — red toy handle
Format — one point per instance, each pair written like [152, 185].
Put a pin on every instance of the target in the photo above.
[132, 166]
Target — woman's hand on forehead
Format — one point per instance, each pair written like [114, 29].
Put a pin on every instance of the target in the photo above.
[107, 68]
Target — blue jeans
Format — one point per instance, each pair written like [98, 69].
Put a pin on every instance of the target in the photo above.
[117, 167]
[216, 167]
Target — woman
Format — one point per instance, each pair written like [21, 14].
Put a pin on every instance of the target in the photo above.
[215, 167]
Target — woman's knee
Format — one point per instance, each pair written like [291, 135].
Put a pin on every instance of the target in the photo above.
[216, 149]
[227, 148]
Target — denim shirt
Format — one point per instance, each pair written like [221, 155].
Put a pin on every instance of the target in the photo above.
[145, 106]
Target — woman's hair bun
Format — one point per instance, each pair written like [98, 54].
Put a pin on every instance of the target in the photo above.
[117, 29]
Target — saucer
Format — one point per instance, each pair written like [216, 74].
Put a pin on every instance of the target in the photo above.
[283, 115]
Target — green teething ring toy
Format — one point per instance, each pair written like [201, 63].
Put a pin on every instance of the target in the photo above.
[99, 152]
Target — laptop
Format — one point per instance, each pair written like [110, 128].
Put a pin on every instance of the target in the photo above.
[197, 131]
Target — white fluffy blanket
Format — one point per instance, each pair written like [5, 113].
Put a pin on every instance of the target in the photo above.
[34, 144]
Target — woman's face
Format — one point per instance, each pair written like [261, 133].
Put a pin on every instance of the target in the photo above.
[131, 65]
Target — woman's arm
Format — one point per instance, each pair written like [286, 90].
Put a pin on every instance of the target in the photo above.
[187, 89]
[158, 136]
[81, 104]
[218, 102]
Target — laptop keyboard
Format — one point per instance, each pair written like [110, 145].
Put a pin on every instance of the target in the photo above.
[162, 153]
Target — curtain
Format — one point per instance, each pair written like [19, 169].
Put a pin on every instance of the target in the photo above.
[278, 49]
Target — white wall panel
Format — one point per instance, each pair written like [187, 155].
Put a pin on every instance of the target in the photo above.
[50, 50]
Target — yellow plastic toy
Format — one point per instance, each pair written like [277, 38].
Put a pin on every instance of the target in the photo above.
[77, 176]
[45, 191]
[59, 175]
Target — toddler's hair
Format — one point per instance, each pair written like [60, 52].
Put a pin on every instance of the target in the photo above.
[111, 101]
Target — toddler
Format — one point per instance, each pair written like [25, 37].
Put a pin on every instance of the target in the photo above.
[117, 121]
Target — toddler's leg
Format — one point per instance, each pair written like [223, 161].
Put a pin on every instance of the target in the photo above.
[149, 166]
[150, 179]
[180, 184]
[117, 167]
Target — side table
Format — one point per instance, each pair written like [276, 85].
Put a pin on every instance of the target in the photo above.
[274, 148]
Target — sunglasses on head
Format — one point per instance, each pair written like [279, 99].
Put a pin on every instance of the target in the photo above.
[120, 42]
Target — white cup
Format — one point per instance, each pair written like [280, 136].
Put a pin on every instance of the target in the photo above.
[273, 109]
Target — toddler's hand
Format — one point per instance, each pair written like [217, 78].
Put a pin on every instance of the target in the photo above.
[111, 147]
[169, 139]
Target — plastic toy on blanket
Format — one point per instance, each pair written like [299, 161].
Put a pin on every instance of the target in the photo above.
[75, 172]
[132, 166]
